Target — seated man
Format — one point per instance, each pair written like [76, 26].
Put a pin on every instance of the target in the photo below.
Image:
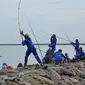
[80, 54]
[67, 59]
[58, 56]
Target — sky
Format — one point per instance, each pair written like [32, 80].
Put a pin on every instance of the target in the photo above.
[62, 17]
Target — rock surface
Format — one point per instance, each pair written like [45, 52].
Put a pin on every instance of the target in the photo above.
[55, 74]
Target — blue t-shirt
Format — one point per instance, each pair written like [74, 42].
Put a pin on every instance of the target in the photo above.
[81, 54]
[58, 56]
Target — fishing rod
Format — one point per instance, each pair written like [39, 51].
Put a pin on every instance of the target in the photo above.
[19, 19]
[34, 44]
[66, 35]
[33, 34]
[58, 37]
[42, 50]
[29, 25]
[63, 39]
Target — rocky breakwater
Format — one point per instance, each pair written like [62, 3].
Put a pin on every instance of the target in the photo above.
[61, 74]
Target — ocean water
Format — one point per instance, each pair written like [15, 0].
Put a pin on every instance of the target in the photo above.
[12, 55]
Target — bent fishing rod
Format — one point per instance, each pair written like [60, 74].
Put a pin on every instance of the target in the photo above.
[33, 34]
[19, 19]
[20, 27]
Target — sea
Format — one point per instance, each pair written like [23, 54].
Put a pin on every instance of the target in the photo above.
[14, 54]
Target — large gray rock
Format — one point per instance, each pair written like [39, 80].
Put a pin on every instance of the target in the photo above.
[66, 72]
[74, 80]
[67, 80]
[43, 79]
[55, 77]
[81, 74]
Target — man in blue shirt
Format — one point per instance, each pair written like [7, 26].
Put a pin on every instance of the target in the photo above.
[76, 45]
[30, 48]
[58, 56]
[53, 41]
[81, 54]
[50, 51]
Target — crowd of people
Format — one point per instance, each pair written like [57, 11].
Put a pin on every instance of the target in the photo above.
[52, 56]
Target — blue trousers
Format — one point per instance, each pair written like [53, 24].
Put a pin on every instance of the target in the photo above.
[28, 52]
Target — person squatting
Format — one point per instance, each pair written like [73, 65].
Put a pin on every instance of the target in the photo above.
[51, 56]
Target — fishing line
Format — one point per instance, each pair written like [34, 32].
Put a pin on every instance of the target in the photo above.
[33, 34]
[56, 36]
[66, 35]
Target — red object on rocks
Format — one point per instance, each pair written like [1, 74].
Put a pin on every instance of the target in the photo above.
[9, 67]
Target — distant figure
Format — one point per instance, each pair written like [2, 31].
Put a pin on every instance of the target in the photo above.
[30, 48]
[67, 59]
[45, 60]
[4, 65]
[80, 54]
[52, 48]
[76, 45]
[58, 56]
[19, 65]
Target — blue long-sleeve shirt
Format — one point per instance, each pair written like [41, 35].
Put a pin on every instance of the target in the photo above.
[53, 43]
[81, 54]
[76, 45]
[28, 43]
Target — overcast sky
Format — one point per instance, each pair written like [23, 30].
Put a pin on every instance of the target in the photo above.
[46, 17]
[62, 17]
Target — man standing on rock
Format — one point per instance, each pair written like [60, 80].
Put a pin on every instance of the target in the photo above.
[76, 45]
[30, 48]
[52, 48]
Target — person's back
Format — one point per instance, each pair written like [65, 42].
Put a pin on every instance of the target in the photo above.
[58, 56]
[81, 54]
[28, 43]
